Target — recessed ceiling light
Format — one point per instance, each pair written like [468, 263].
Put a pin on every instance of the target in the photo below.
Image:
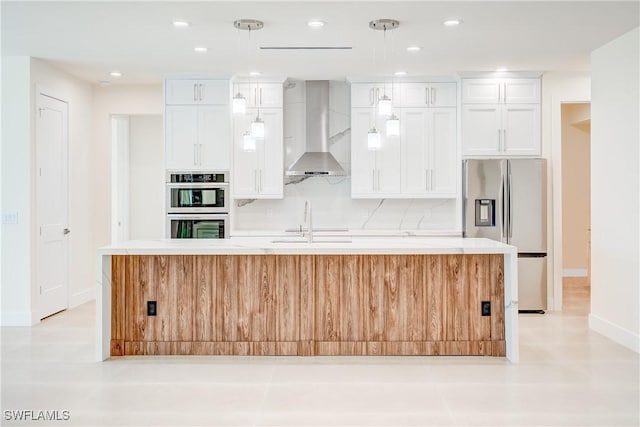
[180, 24]
[254, 73]
[414, 48]
[452, 22]
[200, 49]
[400, 73]
[115, 74]
[316, 23]
[501, 69]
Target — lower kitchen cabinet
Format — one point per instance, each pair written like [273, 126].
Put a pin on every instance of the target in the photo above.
[258, 174]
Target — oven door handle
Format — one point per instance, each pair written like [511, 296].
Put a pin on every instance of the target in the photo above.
[197, 217]
[212, 185]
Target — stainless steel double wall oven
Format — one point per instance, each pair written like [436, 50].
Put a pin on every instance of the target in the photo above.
[197, 205]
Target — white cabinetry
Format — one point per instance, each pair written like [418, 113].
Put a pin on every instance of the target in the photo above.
[258, 174]
[263, 95]
[501, 117]
[428, 94]
[429, 157]
[190, 92]
[197, 125]
[420, 163]
[368, 94]
[374, 173]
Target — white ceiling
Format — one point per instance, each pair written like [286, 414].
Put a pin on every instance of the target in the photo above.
[89, 39]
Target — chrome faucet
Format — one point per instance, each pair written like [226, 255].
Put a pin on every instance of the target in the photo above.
[308, 220]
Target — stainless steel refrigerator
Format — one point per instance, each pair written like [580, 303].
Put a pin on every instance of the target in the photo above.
[506, 200]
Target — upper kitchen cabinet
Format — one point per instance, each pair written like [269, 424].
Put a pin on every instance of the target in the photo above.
[374, 173]
[260, 95]
[258, 171]
[368, 94]
[501, 91]
[429, 152]
[428, 94]
[192, 92]
[501, 117]
[197, 133]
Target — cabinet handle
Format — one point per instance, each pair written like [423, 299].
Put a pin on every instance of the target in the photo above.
[433, 96]
[504, 140]
[426, 95]
[499, 140]
[260, 180]
[499, 97]
[505, 93]
[201, 91]
[195, 96]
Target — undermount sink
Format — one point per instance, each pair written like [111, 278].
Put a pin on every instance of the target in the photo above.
[316, 240]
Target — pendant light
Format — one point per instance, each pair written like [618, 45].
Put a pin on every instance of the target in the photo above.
[239, 102]
[248, 142]
[257, 127]
[373, 139]
[384, 103]
[393, 125]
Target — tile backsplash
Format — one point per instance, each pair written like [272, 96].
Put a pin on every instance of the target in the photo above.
[330, 197]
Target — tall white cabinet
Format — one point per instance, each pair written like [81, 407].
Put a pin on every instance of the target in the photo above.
[259, 174]
[422, 162]
[197, 125]
[501, 117]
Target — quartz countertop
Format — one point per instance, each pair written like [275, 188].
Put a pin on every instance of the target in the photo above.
[322, 245]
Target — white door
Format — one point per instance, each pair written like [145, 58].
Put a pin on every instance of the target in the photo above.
[213, 138]
[481, 128]
[521, 129]
[443, 164]
[181, 127]
[415, 127]
[52, 263]
[245, 163]
[271, 158]
[363, 160]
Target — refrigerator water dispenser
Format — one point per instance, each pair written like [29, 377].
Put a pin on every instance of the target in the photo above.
[485, 213]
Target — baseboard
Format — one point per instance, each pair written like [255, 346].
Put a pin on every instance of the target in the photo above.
[574, 272]
[81, 297]
[615, 333]
[16, 318]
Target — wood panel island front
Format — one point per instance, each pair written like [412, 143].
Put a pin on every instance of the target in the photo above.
[254, 296]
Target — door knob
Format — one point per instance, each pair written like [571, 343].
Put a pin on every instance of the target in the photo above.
[66, 231]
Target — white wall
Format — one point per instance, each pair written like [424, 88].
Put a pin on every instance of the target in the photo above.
[615, 190]
[557, 88]
[146, 177]
[17, 163]
[108, 101]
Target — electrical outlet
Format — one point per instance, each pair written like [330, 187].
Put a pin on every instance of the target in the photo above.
[152, 308]
[486, 308]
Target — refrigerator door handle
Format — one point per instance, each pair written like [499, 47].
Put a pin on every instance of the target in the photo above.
[509, 204]
[501, 198]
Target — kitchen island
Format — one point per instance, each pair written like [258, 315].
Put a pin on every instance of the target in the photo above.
[285, 296]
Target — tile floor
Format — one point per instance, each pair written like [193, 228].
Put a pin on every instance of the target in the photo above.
[568, 376]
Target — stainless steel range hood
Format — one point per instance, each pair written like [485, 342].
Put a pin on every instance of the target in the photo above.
[316, 160]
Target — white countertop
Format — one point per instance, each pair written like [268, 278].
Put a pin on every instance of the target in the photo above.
[322, 245]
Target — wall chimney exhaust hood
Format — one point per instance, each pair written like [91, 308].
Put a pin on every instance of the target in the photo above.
[317, 160]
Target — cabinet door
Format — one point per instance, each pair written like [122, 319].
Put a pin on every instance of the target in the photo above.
[521, 91]
[271, 153]
[481, 91]
[442, 157]
[245, 163]
[388, 161]
[415, 127]
[429, 94]
[181, 137]
[521, 123]
[214, 137]
[443, 94]
[181, 92]
[481, 130]
[269, 95]
[363, 95]
[213, 92]
[363, 160]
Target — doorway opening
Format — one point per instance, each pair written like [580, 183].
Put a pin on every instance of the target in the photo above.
[137, 178]
[576, 206]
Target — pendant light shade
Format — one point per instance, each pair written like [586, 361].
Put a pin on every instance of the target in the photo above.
[373, 139]
[257, 128]
[393, 126]
[248, 142]
[384, 105]
[239, 104]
